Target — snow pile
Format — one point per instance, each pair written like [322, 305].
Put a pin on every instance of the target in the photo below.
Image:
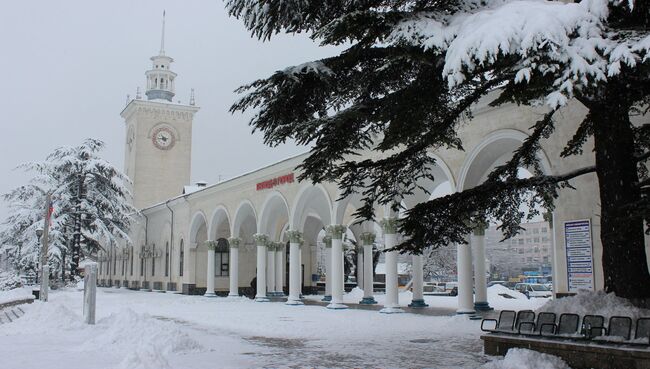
[526, 359]
[597, 303]
[356, 294]
[42, 317]
[144, 340]
[9, 281]
[15, 294]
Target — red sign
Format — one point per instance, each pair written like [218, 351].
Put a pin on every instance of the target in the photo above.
[287, 178]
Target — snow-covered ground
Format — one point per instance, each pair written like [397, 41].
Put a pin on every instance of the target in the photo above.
[159, 330]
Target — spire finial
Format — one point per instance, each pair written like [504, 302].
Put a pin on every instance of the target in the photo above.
[192, 97]
[162, 39]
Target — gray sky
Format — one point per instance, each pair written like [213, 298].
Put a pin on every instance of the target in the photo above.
[68, 66]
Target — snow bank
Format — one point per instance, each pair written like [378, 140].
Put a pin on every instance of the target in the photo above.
[526, 359]
[597, 303]
[15, 294]
[145, 341]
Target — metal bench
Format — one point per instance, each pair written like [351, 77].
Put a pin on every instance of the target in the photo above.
[544, 320]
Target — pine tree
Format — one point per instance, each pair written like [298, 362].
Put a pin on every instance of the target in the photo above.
[91, 201]
[408, 77]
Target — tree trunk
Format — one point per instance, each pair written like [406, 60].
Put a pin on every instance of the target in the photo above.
[624, 259]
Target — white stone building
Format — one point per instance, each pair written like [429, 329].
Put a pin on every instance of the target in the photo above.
[218, 238]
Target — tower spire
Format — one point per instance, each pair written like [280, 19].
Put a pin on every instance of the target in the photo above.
[162, 39]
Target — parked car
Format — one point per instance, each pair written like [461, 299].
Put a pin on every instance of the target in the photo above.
[533, 290]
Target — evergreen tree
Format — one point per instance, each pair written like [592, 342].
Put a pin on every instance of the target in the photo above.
[91, 207]
[408, 77]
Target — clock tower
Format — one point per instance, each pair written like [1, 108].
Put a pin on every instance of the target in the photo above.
[158, 136]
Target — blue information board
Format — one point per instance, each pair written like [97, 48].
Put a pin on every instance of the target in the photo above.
[579, 255]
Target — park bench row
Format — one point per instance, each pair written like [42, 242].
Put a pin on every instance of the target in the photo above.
[570, 326]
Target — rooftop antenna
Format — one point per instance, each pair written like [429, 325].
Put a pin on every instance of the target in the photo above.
[192, 102]
[162, 39]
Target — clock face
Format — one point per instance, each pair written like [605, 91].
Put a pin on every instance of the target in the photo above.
[163, 138]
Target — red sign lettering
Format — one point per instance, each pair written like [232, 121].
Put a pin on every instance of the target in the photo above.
[287, 178]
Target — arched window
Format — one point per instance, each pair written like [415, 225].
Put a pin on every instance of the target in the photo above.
[167, 259]
[153, 260]
[131, 260]
[142, 261]
[181, 260]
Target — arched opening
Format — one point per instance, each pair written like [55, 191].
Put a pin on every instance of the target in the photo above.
[311, 214]
[244, 227]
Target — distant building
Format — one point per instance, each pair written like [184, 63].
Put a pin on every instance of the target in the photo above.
[530, 250]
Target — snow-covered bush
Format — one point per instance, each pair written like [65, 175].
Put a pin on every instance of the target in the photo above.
[9, 281]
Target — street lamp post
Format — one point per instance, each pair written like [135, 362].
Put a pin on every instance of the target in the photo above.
[45, 269]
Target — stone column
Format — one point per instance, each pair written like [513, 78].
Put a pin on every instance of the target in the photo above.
[418, 283]
[261, 241]
[295, 283]
[90, 292]
[279, 267]
[234, 266]
[270, 269]
[328, 268]
[359, 269]
[464, 267]
[480, 281]
[336, 232]
[209, 291]
[367, 240]
[391, 305]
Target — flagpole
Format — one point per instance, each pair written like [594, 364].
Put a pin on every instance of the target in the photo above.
[45, 269]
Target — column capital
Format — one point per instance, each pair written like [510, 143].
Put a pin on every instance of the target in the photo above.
[234, 242]
[211, 245]
[279, 246]
[336, 231]
[261, 239]
[389, 225]
[479, 228]
[328, 241]
[270, 246]
[367, 238]
[294, 236]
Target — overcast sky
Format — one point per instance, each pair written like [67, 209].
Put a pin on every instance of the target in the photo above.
[67, 67]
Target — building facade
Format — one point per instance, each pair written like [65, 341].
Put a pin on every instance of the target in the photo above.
[266, 226]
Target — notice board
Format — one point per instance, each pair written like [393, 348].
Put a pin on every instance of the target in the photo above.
[579, 255]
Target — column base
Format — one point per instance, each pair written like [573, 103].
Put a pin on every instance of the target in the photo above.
[327, 298]
[465, 311]
[418, 303]
[209, 294]
[145, 289]
[336, 306]
[391, 310]
[278, 294]
[261, 299]
[482, 306]
[293, 302]
[368, 301]
[233, 295]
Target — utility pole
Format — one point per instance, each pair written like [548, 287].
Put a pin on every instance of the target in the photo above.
[45, 269]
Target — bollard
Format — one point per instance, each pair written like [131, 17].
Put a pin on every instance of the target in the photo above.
[90, 292]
